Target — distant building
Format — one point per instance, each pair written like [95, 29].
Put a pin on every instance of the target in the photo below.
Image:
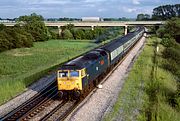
[92, 19]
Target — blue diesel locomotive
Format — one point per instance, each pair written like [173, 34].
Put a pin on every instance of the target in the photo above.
[77, 77]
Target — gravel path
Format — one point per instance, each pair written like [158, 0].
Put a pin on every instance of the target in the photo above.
[100, 102]
[30, 92]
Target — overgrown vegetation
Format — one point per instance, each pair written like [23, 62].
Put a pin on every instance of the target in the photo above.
[21, 67]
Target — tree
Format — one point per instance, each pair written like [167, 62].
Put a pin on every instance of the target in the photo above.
[70, 26]
[147, 17]
[141, 17]
[4, 42]
[2, 26]
[34, 24]
[66, 34]
[79, 34]
[89, 34]
[166, 12]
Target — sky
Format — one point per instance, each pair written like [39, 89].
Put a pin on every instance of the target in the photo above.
[80, 8]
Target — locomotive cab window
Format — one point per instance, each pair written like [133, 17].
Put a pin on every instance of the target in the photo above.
[74, 73]
[63, 74]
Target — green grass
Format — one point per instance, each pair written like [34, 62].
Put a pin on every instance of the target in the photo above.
[20, 67]
[145, 92]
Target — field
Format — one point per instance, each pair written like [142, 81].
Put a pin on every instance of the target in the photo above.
[147, 92]
[20, 67]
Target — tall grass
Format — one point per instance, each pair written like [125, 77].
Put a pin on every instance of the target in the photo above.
[20, 67]
[148, 90]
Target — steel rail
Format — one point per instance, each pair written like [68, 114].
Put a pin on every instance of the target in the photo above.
[26, 106]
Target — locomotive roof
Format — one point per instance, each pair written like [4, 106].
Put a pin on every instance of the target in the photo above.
[83, 61]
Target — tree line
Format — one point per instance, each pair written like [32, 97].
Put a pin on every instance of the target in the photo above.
[98, 34]
[70, 32]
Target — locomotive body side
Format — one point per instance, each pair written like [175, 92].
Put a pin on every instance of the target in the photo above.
[85, 68]
[98, 64]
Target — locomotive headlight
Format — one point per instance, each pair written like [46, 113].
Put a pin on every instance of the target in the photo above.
[77, 84]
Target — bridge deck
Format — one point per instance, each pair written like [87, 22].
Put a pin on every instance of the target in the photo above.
[99, 23]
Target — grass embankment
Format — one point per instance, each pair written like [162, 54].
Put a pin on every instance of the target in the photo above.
[20, 67]
[147, 92]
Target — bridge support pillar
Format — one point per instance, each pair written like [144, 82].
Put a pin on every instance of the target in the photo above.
[60, 30]
[125, 30]
[92, 27]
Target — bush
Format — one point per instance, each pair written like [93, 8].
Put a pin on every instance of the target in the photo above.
[171, 66]
[79, 34]
[160, 32]
[4, 43]
[15, 37]
[26, 41]
[167, 42]
[34, 24]
[172, 53]
[66, 34]
[53, 35]
[89, 34]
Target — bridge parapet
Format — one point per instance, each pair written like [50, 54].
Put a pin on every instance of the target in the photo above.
[92, 24]
[97, 23]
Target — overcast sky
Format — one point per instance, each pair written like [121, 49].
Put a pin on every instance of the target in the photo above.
[80, 8]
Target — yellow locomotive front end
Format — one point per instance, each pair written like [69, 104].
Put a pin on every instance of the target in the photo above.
[70, 82]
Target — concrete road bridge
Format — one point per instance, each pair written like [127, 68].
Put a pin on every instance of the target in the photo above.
[93, 24]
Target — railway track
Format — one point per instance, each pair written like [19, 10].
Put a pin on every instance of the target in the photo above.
[34, 105]
[61, 111]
